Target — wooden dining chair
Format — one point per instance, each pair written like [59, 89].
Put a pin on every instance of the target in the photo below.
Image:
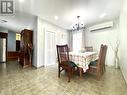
[88, 48]
[97, 67]
[63, 61]
[104, 56]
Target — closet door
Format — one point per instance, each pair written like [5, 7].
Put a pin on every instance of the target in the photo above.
[50, 48]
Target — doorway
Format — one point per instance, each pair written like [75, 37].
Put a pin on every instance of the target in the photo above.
[50, 48]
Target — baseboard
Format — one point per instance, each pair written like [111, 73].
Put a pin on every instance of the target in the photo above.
[49, 65]
[37, 67]
[123, 75]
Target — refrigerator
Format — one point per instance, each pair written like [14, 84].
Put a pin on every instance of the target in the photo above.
[2, 50]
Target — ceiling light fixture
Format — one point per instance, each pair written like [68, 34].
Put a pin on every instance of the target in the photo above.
[79, 25]
[103, 15]
[2, 21]
[21, 1]
[56, 17]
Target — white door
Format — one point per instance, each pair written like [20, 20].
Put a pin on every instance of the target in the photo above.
[50, 48]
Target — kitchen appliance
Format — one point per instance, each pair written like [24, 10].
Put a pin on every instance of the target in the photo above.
[2, 50]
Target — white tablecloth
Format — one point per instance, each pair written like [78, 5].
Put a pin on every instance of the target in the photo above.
[82, 59]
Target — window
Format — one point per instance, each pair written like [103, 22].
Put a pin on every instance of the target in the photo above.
[77, 41]
[18, 36]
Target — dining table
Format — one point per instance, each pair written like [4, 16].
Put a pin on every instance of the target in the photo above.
[82, 60]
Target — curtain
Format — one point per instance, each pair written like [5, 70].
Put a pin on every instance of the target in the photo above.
[77, 41]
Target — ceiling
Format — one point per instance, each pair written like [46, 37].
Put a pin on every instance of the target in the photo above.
[66, 10]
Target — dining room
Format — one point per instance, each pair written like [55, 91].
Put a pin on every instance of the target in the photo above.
[86, 48]
[76, 47]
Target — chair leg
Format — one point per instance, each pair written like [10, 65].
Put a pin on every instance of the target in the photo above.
[98, 75]
[69, 74]
[73, 70]
[102, 70]
[59, 71]
[80, 72]
[104, 67]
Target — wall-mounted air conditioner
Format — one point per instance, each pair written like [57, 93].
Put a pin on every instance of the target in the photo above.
[101, 26]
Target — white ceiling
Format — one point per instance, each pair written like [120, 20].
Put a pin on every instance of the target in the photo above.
[18, 22]
[66, 10]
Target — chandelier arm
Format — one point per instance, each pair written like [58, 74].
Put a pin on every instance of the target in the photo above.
[77, 26]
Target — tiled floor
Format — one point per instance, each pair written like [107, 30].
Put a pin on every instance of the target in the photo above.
[44, 81]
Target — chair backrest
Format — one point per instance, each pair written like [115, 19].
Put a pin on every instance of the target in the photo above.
[88, 48]
[62, 53]
[102, 55]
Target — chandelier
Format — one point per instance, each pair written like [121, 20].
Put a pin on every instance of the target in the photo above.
[79, 25]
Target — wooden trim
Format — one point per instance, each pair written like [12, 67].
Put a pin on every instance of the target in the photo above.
[12, 55]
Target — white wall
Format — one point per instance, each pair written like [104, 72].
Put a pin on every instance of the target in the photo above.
[35, 42]
[3, 30]
[11, 43]
[105, 36]
[123, 39]
[42, 26]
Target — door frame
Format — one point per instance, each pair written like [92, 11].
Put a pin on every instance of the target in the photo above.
[45, 65]
[4, 35]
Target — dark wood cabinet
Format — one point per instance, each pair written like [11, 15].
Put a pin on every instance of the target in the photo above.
[17, 45]
[12, 55]
[26, 48]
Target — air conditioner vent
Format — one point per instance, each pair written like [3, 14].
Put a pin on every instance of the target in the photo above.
[101, 26]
